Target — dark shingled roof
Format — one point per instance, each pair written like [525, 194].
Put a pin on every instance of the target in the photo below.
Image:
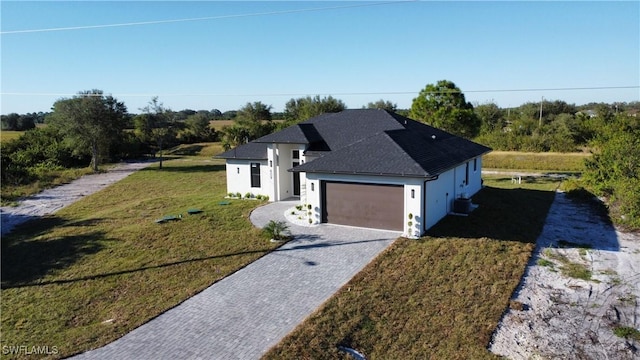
[373, 142]
[249, 151]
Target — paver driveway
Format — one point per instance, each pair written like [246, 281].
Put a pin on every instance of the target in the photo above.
[245, 314]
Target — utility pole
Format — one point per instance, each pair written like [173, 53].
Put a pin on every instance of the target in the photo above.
[540, 120]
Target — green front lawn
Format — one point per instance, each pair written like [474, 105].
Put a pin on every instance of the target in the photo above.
[439, 297]
[102, 267]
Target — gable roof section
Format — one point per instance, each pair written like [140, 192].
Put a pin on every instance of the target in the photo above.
[373, 142]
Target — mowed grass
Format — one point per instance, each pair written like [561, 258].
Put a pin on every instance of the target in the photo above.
[439, 297]
[515, 160]
[102, 267]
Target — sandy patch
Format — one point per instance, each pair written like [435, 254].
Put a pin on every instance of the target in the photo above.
[51, 200]
[570, 318]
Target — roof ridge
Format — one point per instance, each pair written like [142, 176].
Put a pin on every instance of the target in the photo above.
[395, 143]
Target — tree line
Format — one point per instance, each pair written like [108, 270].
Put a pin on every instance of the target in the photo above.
[92, 127]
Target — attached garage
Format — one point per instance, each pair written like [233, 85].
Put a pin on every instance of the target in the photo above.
[377, 206]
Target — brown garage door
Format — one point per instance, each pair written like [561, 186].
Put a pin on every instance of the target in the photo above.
[364, 205]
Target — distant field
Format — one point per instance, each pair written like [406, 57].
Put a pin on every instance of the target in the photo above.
[219, 124]
[9, 135]
[566, 162]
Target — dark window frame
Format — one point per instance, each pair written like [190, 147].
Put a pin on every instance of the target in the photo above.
[255, 175]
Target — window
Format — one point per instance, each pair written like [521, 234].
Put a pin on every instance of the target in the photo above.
[255, 175]
[296, 154]
[466, 175]
[475, 164]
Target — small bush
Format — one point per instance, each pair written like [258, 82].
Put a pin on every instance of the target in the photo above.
[627, 332]
[299, 207]
[277, 230]
[248, 195]
[544, 262]
[239, 195]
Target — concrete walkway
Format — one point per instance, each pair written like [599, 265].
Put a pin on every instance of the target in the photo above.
[248, 312]
[51, 200]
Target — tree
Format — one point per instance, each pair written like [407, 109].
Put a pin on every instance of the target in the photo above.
[254, 112]
[614, 169]
[91, 121]
[443, 106]
[297, 110]
[382, 104]
[10, 121]
[156, 124]
[491, 117]
[256, 118]
[18, 122]
[197, 129]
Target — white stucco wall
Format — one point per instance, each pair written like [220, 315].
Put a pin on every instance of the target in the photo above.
[412, 205]
[450, 185]
[434, 198]
[239, 177]
[280, 160]
[439, 195]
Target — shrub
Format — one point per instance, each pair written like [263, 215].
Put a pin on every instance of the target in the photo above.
[277, 230]
[627, 332]
[239, 195]
[248, 195]
[614, 170]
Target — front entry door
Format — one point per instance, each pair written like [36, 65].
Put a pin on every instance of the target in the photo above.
[296, 180]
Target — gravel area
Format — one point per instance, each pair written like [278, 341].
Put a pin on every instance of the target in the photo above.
[51, 200]
[557, 316]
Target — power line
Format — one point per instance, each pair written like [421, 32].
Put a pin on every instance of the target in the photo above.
[153, 22]
[330, 93]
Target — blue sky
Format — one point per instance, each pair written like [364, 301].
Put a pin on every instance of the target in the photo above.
[270, 52]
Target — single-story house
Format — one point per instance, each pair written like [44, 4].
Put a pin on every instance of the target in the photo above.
[366, 167]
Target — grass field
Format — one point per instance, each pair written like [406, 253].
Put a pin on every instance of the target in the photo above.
[440, 297]
[219, 124]
[101, 267]
[544, 162]
[6, 135]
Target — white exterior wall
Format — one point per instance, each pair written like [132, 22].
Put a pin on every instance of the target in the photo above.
[239, 177]
[450, 185]
[412, 205]
[439, 195]
[475, 178]
[280, 160]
